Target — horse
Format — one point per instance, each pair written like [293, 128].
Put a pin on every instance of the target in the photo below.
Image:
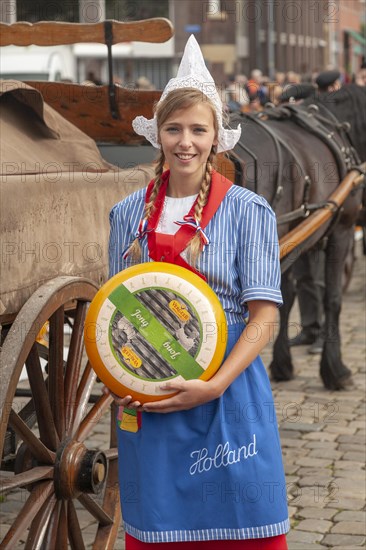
[296, 155]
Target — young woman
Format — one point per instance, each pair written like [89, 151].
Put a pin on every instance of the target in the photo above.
[204, 469]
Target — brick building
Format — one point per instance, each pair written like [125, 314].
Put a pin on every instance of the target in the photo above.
[347, 35]
[239, 35]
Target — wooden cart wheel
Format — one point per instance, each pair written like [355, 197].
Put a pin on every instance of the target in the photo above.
[44, 438]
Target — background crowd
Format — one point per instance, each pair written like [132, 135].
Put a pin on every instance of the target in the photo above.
[250, 94]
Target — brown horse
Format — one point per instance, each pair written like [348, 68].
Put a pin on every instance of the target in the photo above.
[296, 156]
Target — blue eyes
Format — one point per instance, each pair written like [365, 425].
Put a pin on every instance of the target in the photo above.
[174, 130]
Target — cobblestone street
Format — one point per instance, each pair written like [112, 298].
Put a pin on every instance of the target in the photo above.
[323, 437]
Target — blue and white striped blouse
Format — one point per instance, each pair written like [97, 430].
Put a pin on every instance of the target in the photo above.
[241, 263]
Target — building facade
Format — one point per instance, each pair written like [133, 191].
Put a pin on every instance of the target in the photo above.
[236, 36]
[271, 35]
[347, 35]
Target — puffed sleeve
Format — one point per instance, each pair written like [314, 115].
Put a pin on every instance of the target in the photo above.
[258, 253]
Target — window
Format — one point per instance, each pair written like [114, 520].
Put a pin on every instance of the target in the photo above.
[125, 10]
[46, 10]
[214, 10]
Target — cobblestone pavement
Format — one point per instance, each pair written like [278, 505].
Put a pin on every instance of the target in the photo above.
[323, 441]
[323, 437]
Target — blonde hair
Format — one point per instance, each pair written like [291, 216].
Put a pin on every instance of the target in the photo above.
[180, 99]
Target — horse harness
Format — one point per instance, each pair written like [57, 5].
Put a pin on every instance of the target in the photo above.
[317, 124]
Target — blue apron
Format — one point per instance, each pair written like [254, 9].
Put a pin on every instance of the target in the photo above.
[210, 473]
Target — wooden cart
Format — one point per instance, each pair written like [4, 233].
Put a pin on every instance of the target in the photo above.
[57, 474]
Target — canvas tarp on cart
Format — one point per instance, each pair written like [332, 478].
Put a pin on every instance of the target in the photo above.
[56, 194]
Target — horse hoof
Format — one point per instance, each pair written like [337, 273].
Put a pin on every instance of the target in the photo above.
[343, 383]
[281, 377]
[346, 382]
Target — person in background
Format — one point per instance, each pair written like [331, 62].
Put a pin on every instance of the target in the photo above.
[292, 78]
[296, 93]
[90, 77]
[328, 81]
[143, 83]
[236, 95]
[280, 78]
[255, 86]
[361, 75]
[253, 106]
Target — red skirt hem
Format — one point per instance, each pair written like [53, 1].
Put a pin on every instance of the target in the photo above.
[270, 543]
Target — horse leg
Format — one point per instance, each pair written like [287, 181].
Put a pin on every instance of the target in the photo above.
[281, 367]
[334, 373]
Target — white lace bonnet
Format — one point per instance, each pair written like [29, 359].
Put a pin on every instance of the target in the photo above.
[192, 73]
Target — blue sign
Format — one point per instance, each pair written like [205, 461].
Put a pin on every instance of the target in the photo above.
[192, 29]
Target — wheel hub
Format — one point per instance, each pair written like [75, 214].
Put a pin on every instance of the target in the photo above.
[79, 470]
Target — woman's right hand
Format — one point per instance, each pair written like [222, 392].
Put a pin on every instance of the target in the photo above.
[126, 401]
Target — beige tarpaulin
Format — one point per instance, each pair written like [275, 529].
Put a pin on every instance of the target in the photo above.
[56, 194]
[36, 139]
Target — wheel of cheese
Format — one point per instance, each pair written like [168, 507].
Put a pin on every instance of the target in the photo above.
[152, 323]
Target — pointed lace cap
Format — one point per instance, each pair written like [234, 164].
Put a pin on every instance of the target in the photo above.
[192, 73]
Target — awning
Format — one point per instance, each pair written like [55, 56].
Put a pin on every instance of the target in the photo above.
[361, 39]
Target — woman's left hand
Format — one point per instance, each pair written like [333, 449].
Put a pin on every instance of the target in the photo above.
[191, 393]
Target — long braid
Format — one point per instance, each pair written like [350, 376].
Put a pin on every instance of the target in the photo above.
[195, 245]
[149, 207]
[134, 251]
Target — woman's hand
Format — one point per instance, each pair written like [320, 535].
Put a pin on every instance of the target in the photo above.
[126, 401]
[190, 393]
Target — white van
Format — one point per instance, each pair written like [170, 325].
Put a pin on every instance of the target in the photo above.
[52, 63]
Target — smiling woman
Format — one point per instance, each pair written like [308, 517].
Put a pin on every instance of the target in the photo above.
[189, 445]
[187, 138]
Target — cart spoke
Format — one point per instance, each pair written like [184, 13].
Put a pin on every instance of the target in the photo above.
[51, 533]
[35, 501]
[47, 429]
[83, 394]
[62, 527]
[56, 370]
[36, 447]
[106, 535]
[92, 418]
[75, 536]
[39, 525]
[74, 361]
[96, 510]
[25, 478]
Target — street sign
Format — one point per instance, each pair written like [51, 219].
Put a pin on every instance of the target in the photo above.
[192, 29]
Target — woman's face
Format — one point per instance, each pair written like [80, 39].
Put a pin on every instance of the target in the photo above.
[187, 137]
